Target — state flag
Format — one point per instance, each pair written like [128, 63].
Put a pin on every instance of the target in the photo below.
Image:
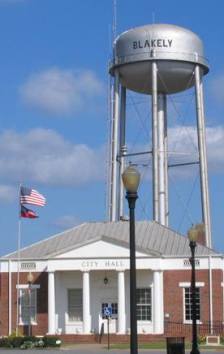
[27, 213]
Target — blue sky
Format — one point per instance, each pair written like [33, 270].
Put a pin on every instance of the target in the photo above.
[54, 116]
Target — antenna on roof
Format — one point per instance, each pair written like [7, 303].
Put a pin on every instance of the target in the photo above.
[114, 19]
[153, 17]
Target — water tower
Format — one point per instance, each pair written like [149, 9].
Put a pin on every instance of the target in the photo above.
[157, 60]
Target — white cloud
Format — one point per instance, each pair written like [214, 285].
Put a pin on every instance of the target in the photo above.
[61, 92]
[67, 221]
[44, 156]
[183, 147]
[8, 193]
[215, 143]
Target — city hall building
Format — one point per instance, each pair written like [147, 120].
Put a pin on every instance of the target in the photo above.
[79, 272]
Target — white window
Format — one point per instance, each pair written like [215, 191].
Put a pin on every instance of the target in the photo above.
[75, 304]
[28, 306]
[188, 304]
[144, 304]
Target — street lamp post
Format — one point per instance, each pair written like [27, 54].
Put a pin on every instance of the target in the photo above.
[131, 179]
[29, 281]
[193, 235]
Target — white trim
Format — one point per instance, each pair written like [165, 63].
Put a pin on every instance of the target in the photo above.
[190, 322]
[147, 262]
[212, 343]
[188, 284]
[27, 286]
[33, 323]
[10, 298]
[222, 285]
[75, 322]
[183, 299]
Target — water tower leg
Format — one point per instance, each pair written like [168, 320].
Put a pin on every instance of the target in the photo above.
[202, 155]
[155, 143]
[114, 150]
[166, 165]
[162, 160]
[122, 150]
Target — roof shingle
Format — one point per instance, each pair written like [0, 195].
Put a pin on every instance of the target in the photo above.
[151, 238]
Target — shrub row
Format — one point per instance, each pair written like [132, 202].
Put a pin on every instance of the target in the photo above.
[29, 342]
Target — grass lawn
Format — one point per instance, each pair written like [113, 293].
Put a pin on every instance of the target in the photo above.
[156, 345]
[160, 345]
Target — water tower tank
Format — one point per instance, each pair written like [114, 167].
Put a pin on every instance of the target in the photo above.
[175, 49]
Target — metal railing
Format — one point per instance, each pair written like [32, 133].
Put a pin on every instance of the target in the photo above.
[185, 329]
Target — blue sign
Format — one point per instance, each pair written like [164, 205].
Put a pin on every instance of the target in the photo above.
[107, 311]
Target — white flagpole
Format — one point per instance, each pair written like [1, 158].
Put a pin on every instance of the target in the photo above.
[18, 265]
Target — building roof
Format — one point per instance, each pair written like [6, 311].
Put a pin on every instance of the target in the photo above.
[151, 238]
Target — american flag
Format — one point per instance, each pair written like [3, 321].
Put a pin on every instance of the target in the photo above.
[31, 196]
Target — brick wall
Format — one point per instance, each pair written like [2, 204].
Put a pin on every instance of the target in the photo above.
[42, 303]
[217, 295]
[173, 298]
[4, 303]
[173, 294]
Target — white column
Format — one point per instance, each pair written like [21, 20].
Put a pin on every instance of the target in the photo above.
[158, 311]
[210, 294]
[86, 303]
[51, 303]
[121, 303]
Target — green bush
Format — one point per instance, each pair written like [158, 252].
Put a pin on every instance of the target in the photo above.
[51, 341]
[201, 340]
[16, 342]
[5, 342]
[39, 343]
[29, 342]
[29, 338]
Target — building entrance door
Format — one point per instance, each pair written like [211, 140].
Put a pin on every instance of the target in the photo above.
[113, 319]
